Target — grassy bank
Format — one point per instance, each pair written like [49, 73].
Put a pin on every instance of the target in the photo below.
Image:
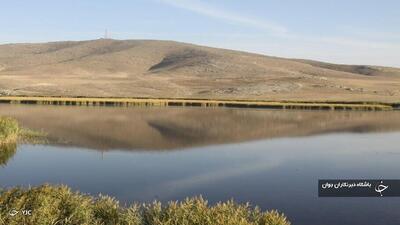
[52, 205]
[11, 132]
[89, 101]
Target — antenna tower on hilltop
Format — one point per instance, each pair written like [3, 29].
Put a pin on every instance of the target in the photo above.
[106, 34]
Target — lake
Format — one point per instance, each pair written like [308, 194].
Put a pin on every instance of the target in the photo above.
[270, 158]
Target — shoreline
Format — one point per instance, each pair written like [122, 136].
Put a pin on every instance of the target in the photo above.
[187, 102]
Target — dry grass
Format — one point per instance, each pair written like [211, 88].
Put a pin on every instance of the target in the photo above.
[53, 205]
[195, 102]
[11, 133]
[9, 130]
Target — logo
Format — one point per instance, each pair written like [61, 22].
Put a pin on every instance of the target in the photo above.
[359, 188]
[380, 188]
[13, 212]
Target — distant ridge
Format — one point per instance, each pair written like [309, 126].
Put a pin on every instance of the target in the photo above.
[151, 68]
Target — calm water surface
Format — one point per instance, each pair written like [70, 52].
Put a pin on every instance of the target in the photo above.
[268, 158]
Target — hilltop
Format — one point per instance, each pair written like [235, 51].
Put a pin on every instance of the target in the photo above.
[149, 68]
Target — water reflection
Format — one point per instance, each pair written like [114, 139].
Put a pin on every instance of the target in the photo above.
[172, 128]
[7, 151]
[274, 174]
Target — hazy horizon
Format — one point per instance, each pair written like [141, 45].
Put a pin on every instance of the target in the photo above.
[362, 32]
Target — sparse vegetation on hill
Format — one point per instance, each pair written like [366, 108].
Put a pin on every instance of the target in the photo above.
[52, 205]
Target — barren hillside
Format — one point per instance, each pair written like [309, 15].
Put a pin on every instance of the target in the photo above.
[142, 68]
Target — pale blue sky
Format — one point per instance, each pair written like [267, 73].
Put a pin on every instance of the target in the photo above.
[342, 31]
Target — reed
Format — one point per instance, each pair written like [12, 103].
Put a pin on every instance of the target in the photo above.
[11, 132]
[92, 101]
[59, 205]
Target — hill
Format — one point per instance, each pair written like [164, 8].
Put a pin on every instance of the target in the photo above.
[147, 68]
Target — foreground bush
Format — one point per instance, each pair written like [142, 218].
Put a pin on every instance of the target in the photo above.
[60, 206]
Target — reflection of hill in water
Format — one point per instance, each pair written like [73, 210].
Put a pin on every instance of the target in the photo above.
[7, 151]
[170, 128]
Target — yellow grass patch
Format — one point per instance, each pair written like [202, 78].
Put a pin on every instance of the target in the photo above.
[88, 101]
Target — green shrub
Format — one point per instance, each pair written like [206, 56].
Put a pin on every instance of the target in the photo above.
[58, 205]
